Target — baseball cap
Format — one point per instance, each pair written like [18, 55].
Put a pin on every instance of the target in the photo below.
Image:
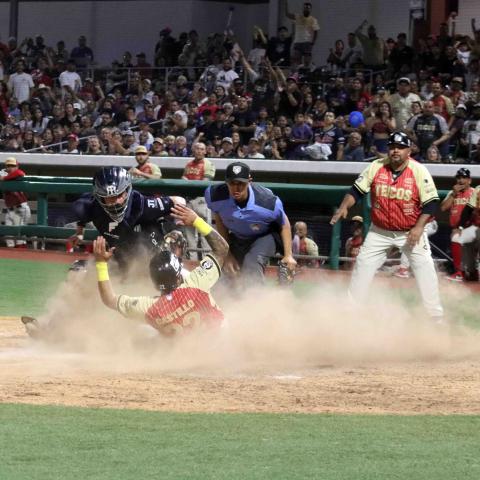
[11, 162]
[141, 149]
[42, 86]
[158, 140]
[77, 106]
[72, 136]
[403, 80]
[462, 106]
[228, 140]
[463, 172]
[399, 138]
[237, 171]
[357, 218]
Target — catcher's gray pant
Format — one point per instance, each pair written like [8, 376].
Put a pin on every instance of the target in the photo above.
[373, 254]
[470, 238]
[16, 216]
[199, 206]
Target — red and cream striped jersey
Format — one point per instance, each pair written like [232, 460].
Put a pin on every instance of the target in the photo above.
[459, 201]
[474, 202]
[187, 307]
[397, 200]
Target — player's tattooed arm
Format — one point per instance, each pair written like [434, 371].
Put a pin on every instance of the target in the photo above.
[218, 245]
[216, 241]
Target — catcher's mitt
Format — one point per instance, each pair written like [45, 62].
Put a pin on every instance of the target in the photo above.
[285, 275]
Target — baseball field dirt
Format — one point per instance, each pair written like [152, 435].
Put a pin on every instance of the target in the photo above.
[279, 352]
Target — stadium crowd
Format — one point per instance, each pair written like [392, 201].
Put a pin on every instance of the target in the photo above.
[272, 102]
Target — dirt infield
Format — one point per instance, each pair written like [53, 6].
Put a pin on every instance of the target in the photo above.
[276, 354]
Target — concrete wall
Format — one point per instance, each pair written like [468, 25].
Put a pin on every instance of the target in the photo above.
[112, 27]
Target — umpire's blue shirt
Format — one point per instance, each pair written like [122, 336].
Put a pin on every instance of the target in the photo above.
[262, 214]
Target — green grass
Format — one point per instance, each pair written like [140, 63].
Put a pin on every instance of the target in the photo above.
[25, 285]
[72, 443]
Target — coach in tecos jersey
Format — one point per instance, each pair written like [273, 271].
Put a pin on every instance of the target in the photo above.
[404, 198]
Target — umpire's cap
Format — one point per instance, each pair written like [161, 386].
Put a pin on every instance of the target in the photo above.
[463, 172]
[237, 172]
[399, 138]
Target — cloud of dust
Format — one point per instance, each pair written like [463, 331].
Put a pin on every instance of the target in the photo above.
[267, 329]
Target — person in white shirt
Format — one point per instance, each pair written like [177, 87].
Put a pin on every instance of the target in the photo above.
[20, 84]
[70, 78]
[227, 75]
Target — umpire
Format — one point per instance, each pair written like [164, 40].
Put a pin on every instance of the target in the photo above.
[252, 220]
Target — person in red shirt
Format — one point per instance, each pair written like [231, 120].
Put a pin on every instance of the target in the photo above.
[144, 169]
[18, 210]
[455, 202]
[403, 198]
[353, 243]
[199, 168]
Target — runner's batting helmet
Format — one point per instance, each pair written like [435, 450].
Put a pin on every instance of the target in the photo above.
[112, 182]
[399, 138]
[165, 271]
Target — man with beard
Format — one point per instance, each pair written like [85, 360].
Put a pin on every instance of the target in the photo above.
[306, 31]
[429, 129]
[404, 198]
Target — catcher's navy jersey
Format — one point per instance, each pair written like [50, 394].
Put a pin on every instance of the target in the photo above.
[142, 213]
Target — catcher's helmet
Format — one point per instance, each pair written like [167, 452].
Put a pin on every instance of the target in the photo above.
[176, 243]
[111, 182]
[165, 271]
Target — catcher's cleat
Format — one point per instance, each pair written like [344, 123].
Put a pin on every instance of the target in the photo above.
[31, 326]
[78, 266]
[285, 275]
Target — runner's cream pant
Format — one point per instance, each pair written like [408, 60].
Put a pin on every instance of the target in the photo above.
[373, 254]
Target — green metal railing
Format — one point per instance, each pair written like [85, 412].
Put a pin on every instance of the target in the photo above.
[312, 195]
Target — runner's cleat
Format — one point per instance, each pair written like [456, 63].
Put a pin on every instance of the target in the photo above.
[455, 277]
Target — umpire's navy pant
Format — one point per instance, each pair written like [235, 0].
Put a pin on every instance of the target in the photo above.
[253, 254]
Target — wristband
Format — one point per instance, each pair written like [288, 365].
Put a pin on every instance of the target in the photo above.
[102, 271]
[202, 226]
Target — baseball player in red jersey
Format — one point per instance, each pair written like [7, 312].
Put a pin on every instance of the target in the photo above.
[183, 304]
[403, 197]
[18, 210]
[455, 202]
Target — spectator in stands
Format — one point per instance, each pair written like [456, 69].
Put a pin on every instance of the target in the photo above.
[144, 169]
[429, 129]
[354, 150]
[300, 137]
[226, 150]
[39, 122]
[374, 50]
[278, 49]
[18, 210]
[455, 127]
[20, 84]
[82, 55]
[401, 54]
[443, 104]
[72, 144]
[303, 244]
[243, 121]
[332, 136]
[433, 155]
[94, 146]
[306, 31]
[227, 75]
[253, 149]
[158, 149]
[380, 126]
[401, 102]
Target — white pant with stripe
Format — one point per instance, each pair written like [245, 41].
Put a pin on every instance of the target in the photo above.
[16, 216]
[373, 254]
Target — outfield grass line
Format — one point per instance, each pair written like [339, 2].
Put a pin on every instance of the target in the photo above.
[76, 443]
